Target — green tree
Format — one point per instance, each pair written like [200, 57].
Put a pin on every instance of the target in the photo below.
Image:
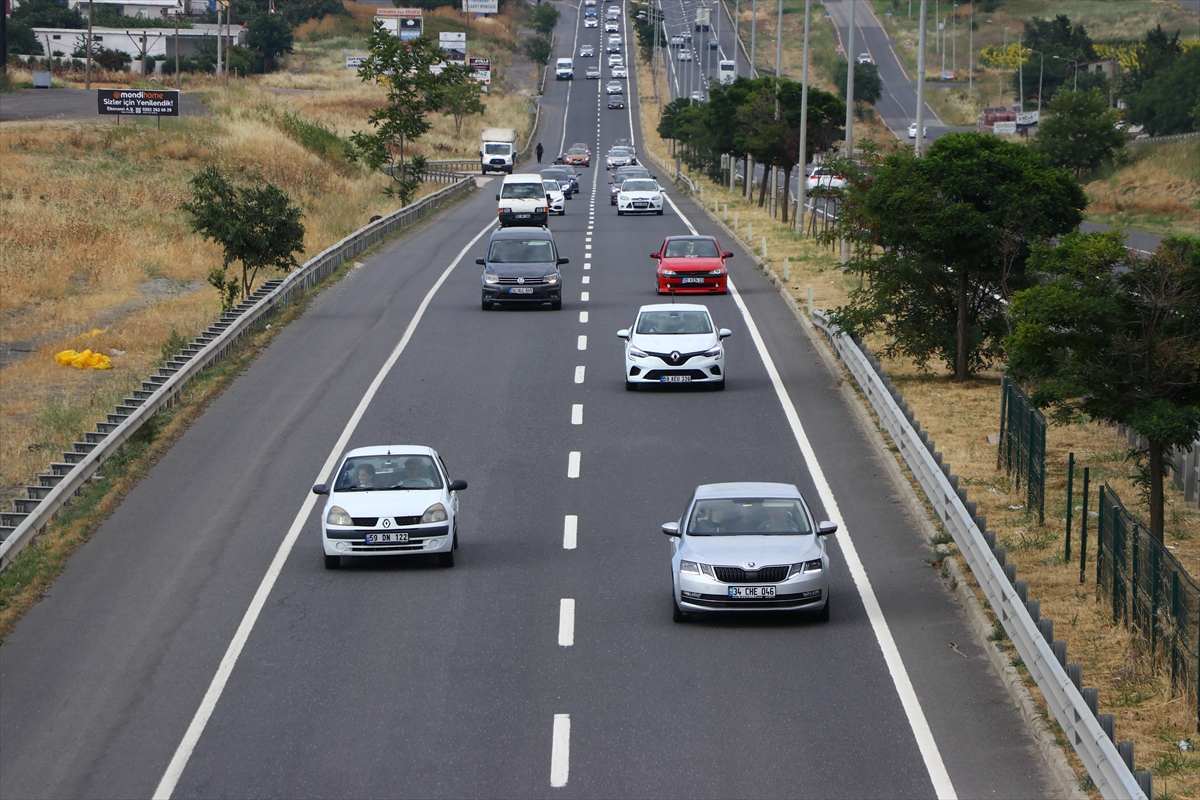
[1169, 101]
[544, 19]
[1061, 43]
[942, 242]
[270, 37]
[539, 50]
[1081, 132]
[770, 121]
[868, 86]
[256, 225]
[464, 95]
[413, 93]
[295, 12]
[1115, 337]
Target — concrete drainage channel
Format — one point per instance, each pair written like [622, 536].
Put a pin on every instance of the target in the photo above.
[65, 479]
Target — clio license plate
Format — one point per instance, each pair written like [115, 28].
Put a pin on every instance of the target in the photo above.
[386, 538]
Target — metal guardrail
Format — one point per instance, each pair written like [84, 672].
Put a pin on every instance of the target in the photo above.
[1100, 756]
[1175, 137]
[163, 390]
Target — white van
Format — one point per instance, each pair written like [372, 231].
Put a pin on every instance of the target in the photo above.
[522, 200]
[728, 72]
[564, 70]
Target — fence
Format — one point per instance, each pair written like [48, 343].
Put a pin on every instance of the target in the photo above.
[1185, 464]
[1023, 445]
[1150, 592]
[64, 480]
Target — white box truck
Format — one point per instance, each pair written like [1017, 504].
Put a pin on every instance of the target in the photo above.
[703, 17]
[564, 70]
[497, 149]
[727, 72]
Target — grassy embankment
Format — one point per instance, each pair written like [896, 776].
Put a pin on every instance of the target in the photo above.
[959, 418]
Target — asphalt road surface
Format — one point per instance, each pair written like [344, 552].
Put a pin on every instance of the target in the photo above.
[150, 666]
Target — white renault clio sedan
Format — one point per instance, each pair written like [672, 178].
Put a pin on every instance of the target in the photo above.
[748, 547]
[390, 500]
[674, 343]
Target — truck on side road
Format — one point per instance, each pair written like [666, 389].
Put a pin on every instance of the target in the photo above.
[497, 150]
[703, 18]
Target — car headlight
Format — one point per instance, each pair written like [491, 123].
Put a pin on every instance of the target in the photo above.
[491, 278]
[806, 567]
[539, 209]
[622, 198]
[714, 352]
[338, 516]
[689, 568]
[505, 210]
[636, 352]
[435, 513]
[656, 197]
[670, 272]
[717, 271]
[551, 278]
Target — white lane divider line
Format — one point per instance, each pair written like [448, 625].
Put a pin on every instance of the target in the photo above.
[579, 373]
[587, 247]
[582, 343]
[573, 464]
[577, 414]
[560, 750]
[566, 622]
[587, 238]
[570, 531]
[583, 298]
[587, 279]
[179, 761]
[583, 316]
[587, 265]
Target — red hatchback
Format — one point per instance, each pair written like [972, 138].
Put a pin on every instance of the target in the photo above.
[691, 265]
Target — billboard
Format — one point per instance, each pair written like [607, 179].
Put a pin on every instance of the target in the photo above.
[1027, 117]
[482, 68]
[138, 102]
[1005, 129]
[481, 6]
[404, 22]
[454, 44]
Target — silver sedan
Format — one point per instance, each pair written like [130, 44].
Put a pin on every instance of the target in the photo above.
[748, 547]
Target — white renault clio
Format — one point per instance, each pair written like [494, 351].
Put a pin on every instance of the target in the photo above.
[674, 343]
[390, 500]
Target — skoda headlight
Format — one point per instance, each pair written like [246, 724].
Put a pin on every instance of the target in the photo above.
[435, 513]
[338, 516]
[491, 277]
[805, 568]
[635, 352]
[689, 568]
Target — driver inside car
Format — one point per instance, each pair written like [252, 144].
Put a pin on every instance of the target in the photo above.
[414, 474]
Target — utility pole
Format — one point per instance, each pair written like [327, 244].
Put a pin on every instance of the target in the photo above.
[218, 41]
[178, 11]
[971, 54]
[954, 43]
[800, 189]
[1021, 70]
[228, 33]
[850, 83]
[921, 79]
[753, 31]
[87, 73]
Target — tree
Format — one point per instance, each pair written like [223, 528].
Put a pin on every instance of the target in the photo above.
[770, 121]
[868, 86]
[296, 12]
[1169, 101]
[258, 226]
[269, 36]
[1081, 132]
[1115, 337]
[1061, 43]
[942, 242]
[544, 18]
[539, 50]
[463, 96]
[413, 92]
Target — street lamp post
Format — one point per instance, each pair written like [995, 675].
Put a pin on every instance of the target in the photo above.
[1074, 64]
[1003, 56]
[800, 188]
[1041, 74]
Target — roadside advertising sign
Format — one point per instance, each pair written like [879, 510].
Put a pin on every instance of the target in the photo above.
[138, 102]
[481, 6]
[354, 62]
[404, 22]
[483, 70]
[1005, 129]
[1027, 118]
[454, 44]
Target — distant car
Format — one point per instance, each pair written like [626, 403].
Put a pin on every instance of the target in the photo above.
[615, 37]
[555, 198]
[390, 500]
[579, 156]
[748, 547]
[865, 58]
[674, 343]
[591, 22]
[586, 51]
[612, 47]
[640, 196]
[573, 174]
[619, 157]
[691, 265]
[616, 59]
[614, 10]
[621, 141]
[593, 73]
[612, 26]
[620, 176]
[697, 96]
[713, 44]
[824, 178]
[912, 131]
[589, 3]
[676, 41]
[619, 71]
[614, 87]
[560, 175]
[685, 55]
[616, 101]
[522, 266]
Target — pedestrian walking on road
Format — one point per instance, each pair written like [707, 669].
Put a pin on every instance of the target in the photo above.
[540, 150]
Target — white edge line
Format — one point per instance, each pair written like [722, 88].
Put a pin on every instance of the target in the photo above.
[883, 634]
[166, 786]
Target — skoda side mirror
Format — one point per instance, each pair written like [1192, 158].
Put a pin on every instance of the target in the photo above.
[670, 528]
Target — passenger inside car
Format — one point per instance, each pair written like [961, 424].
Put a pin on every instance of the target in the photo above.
[692, 248]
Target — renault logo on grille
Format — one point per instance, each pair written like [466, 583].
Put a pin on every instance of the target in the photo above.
[387, 523]
[676, 356]
[520, 280]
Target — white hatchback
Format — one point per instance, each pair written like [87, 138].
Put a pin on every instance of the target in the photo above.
[672, 343]
[390, 500]
[640, 196]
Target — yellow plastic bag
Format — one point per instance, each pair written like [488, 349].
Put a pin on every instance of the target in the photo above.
[85, 360]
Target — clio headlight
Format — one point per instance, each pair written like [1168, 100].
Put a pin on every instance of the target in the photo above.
[435, 513]
[635, 352]
[714, 352]
[338, 516]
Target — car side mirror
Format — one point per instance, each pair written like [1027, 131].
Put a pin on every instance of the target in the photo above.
[457, 486]
[655, 255]
[623, 333]
[497, 198]
[320, 488]
[481, 261]
[826, 528]
[670, 528]
[724, 333]
[728, 255]
[564, 261]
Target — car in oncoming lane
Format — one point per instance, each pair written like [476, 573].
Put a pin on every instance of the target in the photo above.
[521, 267]
[691, 265]
[623, 174]
[390, 500]
[640, 196]
[748, 547]
[554, 197]
[672, 343]
[578, 155]
[616, 101]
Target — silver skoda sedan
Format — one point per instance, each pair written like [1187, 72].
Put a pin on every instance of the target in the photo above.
[748, 547]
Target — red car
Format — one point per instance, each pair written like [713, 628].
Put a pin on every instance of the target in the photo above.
[691, 265]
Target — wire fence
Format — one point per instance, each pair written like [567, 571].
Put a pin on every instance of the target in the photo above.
[1023, 445]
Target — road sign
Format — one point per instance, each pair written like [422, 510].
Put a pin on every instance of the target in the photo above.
[138, 102]
[481, 6]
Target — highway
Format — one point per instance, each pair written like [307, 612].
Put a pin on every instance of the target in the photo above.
[197, 647]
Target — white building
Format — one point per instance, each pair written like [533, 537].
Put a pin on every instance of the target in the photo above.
[139, 8]
[157, 41]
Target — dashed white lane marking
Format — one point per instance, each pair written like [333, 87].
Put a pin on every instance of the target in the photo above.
[583, 316]
[560, 750]
[566, 622]
[577, 414]
[583, 298]
[587, 265]
[587, 279]
[573, 464]
[587, 247]
[570, 531]
[582, 343]
[579, 371]
[587, 238]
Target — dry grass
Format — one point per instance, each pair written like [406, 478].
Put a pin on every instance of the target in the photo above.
[1157, 190]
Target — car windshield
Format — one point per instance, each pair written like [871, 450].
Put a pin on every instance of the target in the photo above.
[621, 151]
[577, 151]
[521, 251]
[674, 322]
[522, 191]
[555, 175]
[692, 248]
[552, 186]
[497, 149]
[375, 473]
[639, 185]
[748, 516]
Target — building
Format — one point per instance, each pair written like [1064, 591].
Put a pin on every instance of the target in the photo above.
[131, 41]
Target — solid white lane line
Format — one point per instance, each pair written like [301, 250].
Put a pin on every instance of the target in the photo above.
[587, 279]
[170, 778]
[577, 414]
[560, 750]
[583, 316]
[883, 633]
[579, 372]
[573, 464]
[582, 343]
[566, 622]
[583, 298]
[570, 531]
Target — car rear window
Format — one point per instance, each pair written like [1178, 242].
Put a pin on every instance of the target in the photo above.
[692, 248]
[748, 516]
[374, 473]
[521, 251]
[674, 322]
